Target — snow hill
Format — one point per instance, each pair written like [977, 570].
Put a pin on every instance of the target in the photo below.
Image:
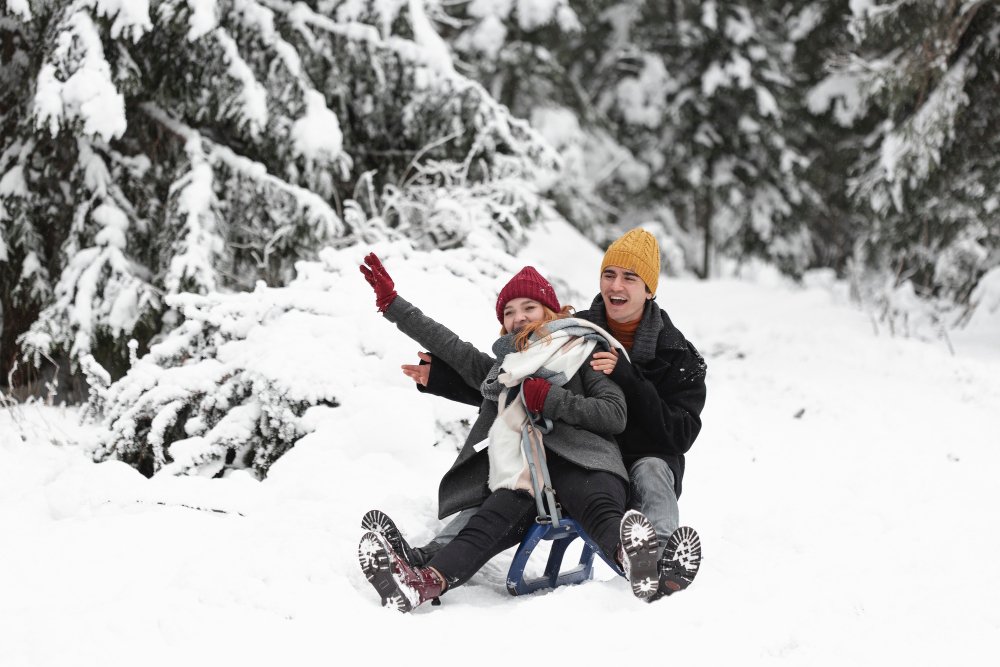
[844, 486]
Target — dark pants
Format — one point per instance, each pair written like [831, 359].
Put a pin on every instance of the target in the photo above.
[595, 499]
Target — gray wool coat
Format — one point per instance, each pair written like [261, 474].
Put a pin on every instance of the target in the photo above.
[586, 413]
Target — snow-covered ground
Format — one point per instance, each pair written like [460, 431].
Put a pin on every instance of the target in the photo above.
[844, 485]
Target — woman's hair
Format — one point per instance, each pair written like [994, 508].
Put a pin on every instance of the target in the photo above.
[521, 339]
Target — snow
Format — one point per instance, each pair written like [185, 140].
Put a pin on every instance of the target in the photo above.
[204, 18]
[21, 7]
[316, 135]
[201, 244]
[253, 95]
[488, 36]
[740, 29]
[435, 49]
[642, 100]
[131, 16]
[114, 224]
[842, 90]
[533, 14]
[12, 184]
[843, 487]
[88, 93]
[710, 15]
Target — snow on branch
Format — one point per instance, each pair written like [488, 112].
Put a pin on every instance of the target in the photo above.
[196, 253]
[253, 97]
[911, 152]
[20, 7]
[75, 82]
[314, 208]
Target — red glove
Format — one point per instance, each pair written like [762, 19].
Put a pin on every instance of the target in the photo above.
[535, 391]
[378, 278]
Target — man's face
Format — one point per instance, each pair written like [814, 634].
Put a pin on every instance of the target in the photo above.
[624, 294]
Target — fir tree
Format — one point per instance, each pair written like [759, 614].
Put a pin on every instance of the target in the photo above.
[550, 62]
[831, 121]
[194, 146]
[928, 174]
[713, 125]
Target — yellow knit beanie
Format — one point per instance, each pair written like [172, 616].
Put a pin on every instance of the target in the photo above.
[636, 251]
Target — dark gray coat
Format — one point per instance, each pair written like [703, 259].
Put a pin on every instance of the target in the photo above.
[586, 413]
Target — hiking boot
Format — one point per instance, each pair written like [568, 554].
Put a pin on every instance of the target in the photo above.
[679, 563]
[401, 587]
[637, 553]
[379, 522]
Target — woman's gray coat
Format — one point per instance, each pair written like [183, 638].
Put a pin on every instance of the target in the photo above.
[586, 413]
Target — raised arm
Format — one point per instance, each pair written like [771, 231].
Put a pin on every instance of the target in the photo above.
[471, 364]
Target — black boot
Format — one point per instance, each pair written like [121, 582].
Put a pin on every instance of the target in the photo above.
[679, 563]
[637, 553]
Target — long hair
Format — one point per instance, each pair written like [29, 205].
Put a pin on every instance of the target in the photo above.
[521, 339]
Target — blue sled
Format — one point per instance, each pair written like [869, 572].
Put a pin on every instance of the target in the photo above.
[561, 536]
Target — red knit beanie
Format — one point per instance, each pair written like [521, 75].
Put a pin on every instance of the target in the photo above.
[527, 284]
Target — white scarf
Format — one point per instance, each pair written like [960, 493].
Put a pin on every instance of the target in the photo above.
[556, 357]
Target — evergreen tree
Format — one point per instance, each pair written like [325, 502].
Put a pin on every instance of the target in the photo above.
[831, 123]
[718, 134]
[174, 146]
[550, 62]
[929, 170]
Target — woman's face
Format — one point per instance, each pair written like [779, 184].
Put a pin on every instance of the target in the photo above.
[521, 311]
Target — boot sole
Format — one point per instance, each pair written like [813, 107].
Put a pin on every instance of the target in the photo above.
[638, 540]
[379, 522]
[681, 560]
[376, 563]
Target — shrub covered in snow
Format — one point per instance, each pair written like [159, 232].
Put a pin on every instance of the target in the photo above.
[228, 388]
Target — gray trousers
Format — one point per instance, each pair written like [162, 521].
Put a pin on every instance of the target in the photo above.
[651, 491]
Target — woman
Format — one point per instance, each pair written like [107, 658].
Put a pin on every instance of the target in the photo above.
[586, 408]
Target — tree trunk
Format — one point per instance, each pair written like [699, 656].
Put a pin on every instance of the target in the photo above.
[707, 213]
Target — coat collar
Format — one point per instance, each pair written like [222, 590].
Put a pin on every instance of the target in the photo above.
[655, 331]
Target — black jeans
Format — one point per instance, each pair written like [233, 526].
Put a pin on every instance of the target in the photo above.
[594, 498]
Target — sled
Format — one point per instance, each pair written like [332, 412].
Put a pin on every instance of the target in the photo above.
[550, 525]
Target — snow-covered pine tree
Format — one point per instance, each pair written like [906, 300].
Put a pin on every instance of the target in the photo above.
[930, 168]
[549, 62]
[174, 146]
[831, 121]
[708, 113]
[227, 141]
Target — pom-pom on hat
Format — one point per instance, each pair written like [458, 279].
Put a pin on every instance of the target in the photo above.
[636, 251]
[528, 284]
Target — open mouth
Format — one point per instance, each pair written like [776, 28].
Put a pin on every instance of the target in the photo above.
[618, 300]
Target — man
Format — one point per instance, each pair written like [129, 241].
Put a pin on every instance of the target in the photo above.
[664, 385]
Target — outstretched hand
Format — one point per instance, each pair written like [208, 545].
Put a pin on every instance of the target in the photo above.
[379, 279]
[419, 373]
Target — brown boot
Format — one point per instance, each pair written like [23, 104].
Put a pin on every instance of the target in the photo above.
[401, 586]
